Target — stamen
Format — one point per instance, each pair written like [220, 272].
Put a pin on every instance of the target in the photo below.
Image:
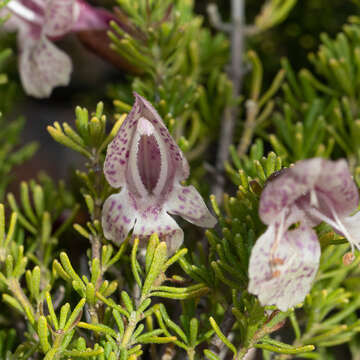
[343, 229]
[277, 261]
[20, 10]
[337, 224]
[275, 273]
[285, 265]
[314, 199]
[279, 233]
[317, 214]
[341, 226]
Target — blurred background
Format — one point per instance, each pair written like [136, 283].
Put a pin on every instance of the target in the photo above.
[294, 38]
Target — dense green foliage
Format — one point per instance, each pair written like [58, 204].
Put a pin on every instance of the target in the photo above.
[108, 302]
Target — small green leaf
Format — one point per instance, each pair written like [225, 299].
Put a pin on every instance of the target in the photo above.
[2, 226]
[156, 267]
[75, 316]
[119, 322]
[98, 328]
[222, 337]
[285, 350]
[80, 229]
[152, 244]
[158, 340]
[86, 353]
[64, 311]
[25, 199]
[51, 311]
[58, 135]
[134, 263]
[58, 269]
[127, 301]
[210, 355]
[90, 293]
[194, 328]
[43, 334]
[68, 267]
[95, 270]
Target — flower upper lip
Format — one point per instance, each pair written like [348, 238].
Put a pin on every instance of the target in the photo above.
[330, 178]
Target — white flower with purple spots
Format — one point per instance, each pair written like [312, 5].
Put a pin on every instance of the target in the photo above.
[42, 65]
[144, 160]
[285, 259]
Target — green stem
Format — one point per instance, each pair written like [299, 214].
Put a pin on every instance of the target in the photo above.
[96, 239]
[271, 325]
[249, 128]
[191, 353]
[134, 318]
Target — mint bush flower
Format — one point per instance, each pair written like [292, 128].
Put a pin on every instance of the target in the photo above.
[145, 161]
[42, 65]
[285, 259]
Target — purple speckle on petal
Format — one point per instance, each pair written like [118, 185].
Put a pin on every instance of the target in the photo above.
[126, 220]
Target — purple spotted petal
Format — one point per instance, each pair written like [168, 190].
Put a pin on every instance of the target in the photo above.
[121, 213]
[336, 183]
[177, 158]
[174, 164]
[313, 182]
[188, 203]
[282, 274]
[118, 151]
[42, 67]
[60, 16]
[278, 194]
